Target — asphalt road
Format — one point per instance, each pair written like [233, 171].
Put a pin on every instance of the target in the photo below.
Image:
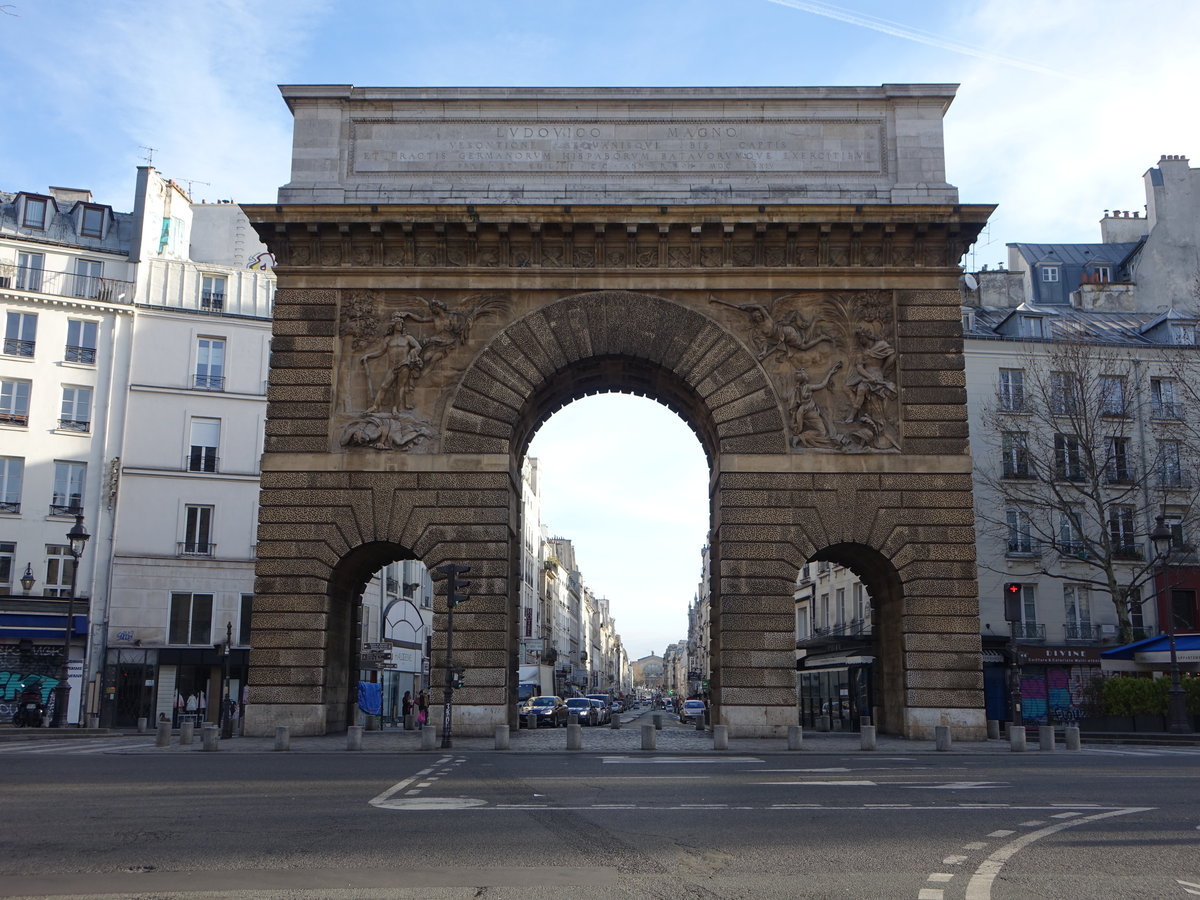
[1111, 822]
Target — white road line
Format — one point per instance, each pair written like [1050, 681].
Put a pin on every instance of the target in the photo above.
[941, 877]
[930, 894]
[399, 786]
[1002, 832]
[1033, 823]
[817, 783]
[1066, 815]
[980, 885]
[683, 760]
[975, 845]
[954, 860]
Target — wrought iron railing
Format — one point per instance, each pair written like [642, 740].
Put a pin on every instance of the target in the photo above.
[1076, 631]
[1029, 631]
[208, 382]
[69, 284]
[85, 355]
[82, 426]
[196, 548]
[1023, 547]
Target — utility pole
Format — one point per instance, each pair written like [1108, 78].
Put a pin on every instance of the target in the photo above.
[455, 594]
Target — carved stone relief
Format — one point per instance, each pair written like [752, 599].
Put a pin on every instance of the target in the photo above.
[832, 357]
[385, 358]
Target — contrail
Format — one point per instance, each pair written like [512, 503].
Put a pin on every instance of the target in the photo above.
[914, 34]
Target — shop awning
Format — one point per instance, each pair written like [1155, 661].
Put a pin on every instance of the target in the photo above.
[1157, 649]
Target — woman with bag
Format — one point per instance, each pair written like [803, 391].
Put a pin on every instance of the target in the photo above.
[422, 710]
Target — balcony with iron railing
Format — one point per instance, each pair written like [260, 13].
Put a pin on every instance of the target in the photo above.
[1029, 631]
[1128, 551]
[201, 462]
[1023, 548]
[1081, 632]
[66, 509]
[1174, 480]
[195, 548]
[12, 418]
[80, 426]
[821, 635]
[1166, 409]
[69, 284]
[208, 382]
[15, 347]
[10, 506]
[212, 301]
[1119, 474]
[83, 355]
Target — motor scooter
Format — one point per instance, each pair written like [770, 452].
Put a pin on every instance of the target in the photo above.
[31, 711]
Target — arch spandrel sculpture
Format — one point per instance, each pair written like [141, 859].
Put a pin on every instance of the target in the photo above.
[424, 332]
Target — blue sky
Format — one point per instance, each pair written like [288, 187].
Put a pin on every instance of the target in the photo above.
[1063, 105]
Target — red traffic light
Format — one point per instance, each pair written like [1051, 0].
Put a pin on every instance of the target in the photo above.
[1012, 588]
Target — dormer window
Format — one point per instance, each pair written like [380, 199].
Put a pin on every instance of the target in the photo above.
[91, 223]
[34, 213]
[1183, 333]
[1050, 274]
[1102, 274]
[1031, 326]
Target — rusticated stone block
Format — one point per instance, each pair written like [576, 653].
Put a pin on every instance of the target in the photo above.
[942, 624]
[960, 699]
[937, 642]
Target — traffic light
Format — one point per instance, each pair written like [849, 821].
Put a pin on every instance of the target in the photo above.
[456, 587]
[1012, 601]
[457, 677]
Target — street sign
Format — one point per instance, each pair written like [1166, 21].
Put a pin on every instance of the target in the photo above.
[379, 645]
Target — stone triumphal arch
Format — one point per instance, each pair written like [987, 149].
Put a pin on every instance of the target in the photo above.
[777, 265]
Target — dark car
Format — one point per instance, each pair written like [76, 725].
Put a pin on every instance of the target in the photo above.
[546, 710]
[583, 707]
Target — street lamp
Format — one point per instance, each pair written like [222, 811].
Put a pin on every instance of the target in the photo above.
[27, 580]
[224, 719]
[77, 539]
[1177, 713]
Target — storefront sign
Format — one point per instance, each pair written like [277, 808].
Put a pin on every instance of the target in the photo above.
[1050, 656]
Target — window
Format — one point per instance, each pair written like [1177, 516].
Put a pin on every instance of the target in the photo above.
[34, 215]
[1068, 458]
[29, 271]
[60, 567]
[197, 531]
[1117, 469]
[12, 471]
[1070, 531]
[1012, 389]
[1102, 274]
[20, 334]
[1162, 398]
[76, 413]
[1064, 395]
[81, 342]
[191, 619]
[1049, 274]
[1020, 537]
[68, 488]
[8, 551]
[1183, 610]
[802, 630]
[1112, 395]
[1170, 468]
[1077, 625]
[92, 221]
[1133, 602]
[212, 292]
[1121, 532]
[860, 611]
[840, 594]
[1028, 627]
[88, 283]
[245, 611]
[205, 438]
[1174, 521]
[1015, 449]
[210, 364]
[1031, 326]
[14, 402]
[822, 622]
[1183, 333]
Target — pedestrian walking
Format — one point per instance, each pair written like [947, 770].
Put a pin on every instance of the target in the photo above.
[422, 709]
[406, 709]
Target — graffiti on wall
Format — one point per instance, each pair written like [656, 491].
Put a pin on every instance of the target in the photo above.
[1057, 696]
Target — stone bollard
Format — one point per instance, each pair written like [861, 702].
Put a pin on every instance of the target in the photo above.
[428, 738]
[1016, 739]
[1072, 736]
[649, 738]
[720, 737]
[941, 737]
[372, 723]
[283, 739]
[209, 735]
[410, 722]
[354, 737]
[142, 725]
[1046, 738]
[657, 720]
[993, 727]
[572, 719]
[93, 722]
[700, 723]
[795, 737]
[501, 737]
[616, 722]
[163, 738]
[822, 723]
[575, 737]
[187, 729]
[867, 737]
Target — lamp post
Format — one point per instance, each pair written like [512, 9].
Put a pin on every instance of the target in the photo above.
[27, 579]
[1177, 713]
[1012, 615]
[77, 539]
[225, 719]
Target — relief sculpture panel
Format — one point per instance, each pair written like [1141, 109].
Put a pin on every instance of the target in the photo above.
[832, 358]
[390, 347]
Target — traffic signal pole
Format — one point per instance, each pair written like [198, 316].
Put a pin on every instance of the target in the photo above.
[455, 586]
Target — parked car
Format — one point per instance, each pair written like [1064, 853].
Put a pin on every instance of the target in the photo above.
[546, 710]
[691, 711]
[603, 713]
[583, 707]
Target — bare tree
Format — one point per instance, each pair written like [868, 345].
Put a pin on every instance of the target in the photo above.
[1082, 467]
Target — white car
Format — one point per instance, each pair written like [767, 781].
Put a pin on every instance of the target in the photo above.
[692, 711]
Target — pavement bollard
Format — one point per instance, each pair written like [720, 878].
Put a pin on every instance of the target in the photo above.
[700, 723]
[1016, 739]
[575, 737]
[142, 725]
[410, 722]
[209, 735]
[187, 730]
[354, 737]
[822, 723]
[283, 740]
[795, 737]
[572, 719]
[867, 737]
[720, 737]
[93, 721]
[649, 738]
[616, 721]
[372, 723]
[993, 727]
[163, 738]
[941, 737]
[428, 738]
[501, 737]
[657, 720]
[1046, 738]
[1072, 736]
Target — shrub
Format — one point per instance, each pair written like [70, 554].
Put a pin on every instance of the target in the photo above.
[1125, 696]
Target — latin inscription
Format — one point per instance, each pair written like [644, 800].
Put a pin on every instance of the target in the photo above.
[745, 149]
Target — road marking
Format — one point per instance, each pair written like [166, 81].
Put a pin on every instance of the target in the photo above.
[980, 885]
[961, 786]
[975, 845]
[1066, 815]
[954, 860]
[381, 799]
[937, 877]
[1002, 832]
[669, 760]
[1188, 886]
[930, 894]
[1033, 823]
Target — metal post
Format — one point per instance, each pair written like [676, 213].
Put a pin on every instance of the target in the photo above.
[77, 539]
[1178, 720]
[448, 691]
[226, 719]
